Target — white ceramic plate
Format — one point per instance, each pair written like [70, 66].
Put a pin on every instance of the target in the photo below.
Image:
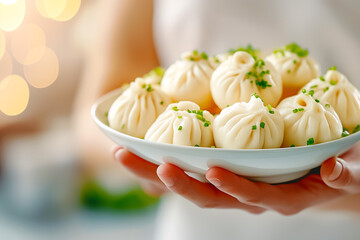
[264, 165]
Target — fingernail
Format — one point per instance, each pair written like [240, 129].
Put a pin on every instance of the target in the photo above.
[336, 171]
[117, 155]
[168, 181]
[215, 181]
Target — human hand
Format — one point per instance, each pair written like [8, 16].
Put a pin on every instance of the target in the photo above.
[338, 178]
[203, 194]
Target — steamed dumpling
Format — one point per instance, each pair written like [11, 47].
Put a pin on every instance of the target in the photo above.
[185, 124]
[240, 76]
[189, 79]
[249, 126]
[335, 89]
[154, 76]
[294, 65]
[137, 108]
[308, 121]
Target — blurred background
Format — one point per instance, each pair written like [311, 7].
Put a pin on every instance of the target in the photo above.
[52, 188]
[46, 189]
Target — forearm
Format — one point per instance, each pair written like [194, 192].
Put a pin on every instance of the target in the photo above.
[123, 51]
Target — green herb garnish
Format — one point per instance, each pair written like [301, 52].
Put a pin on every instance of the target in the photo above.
[310, 141]
[295, 48]
[292, 145]
[356, 129]
[333, 68]
[175, 108]
[322, 78]
[326, 89]
[327, 105]
[179, 117]
[262, 124]
[317, 100]
[162, 103]
[333, 82]
[253, 127]
[180, 128]
[314, 86]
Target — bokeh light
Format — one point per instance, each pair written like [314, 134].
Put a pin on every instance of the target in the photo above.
[59, 10]
[72, 7]
[2, 44]
[8, 2]
[6, 65]
[11, 15]
[51, 8]
[44, 72]
[28, 44]
[14, 95]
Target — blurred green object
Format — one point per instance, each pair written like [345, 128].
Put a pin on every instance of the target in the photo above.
[93, 196]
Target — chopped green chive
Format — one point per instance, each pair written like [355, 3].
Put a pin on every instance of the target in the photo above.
[188, 111]
[207, 123]
[294, 61]
[294, 48]
[253, 127]
[314, 86]
[288, 71]
[212, 146]
[175, 108]
[317, 100]
[310, 141]
[345, 133]
[322, 78]
[196, 145]
[292, 145]
[144, 86]
[327, 105]
[192, 59]
[195, 52]
[179, 117]
[333, 82]
[262, 124]
[204, 56]
[356, 129]
[270, 109]
[123, 126]
[303, 90]
[300, 109]
[162, 102]
[295, 110]
[180, 128]
[326, 89]
[228, 105]
[333, 68]
[106, 114]
[311, 93]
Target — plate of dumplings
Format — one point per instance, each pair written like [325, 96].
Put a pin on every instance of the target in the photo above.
[270, 119]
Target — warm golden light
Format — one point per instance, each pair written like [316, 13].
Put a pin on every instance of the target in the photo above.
[28, 44]
[72, 7]
[14, 95]
[51, 8]
[59, 10]
[11, 15]
[44, 72]
[8, 2]
[6, 66]
[2, 44]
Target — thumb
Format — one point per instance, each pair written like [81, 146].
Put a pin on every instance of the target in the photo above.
[336, 173]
